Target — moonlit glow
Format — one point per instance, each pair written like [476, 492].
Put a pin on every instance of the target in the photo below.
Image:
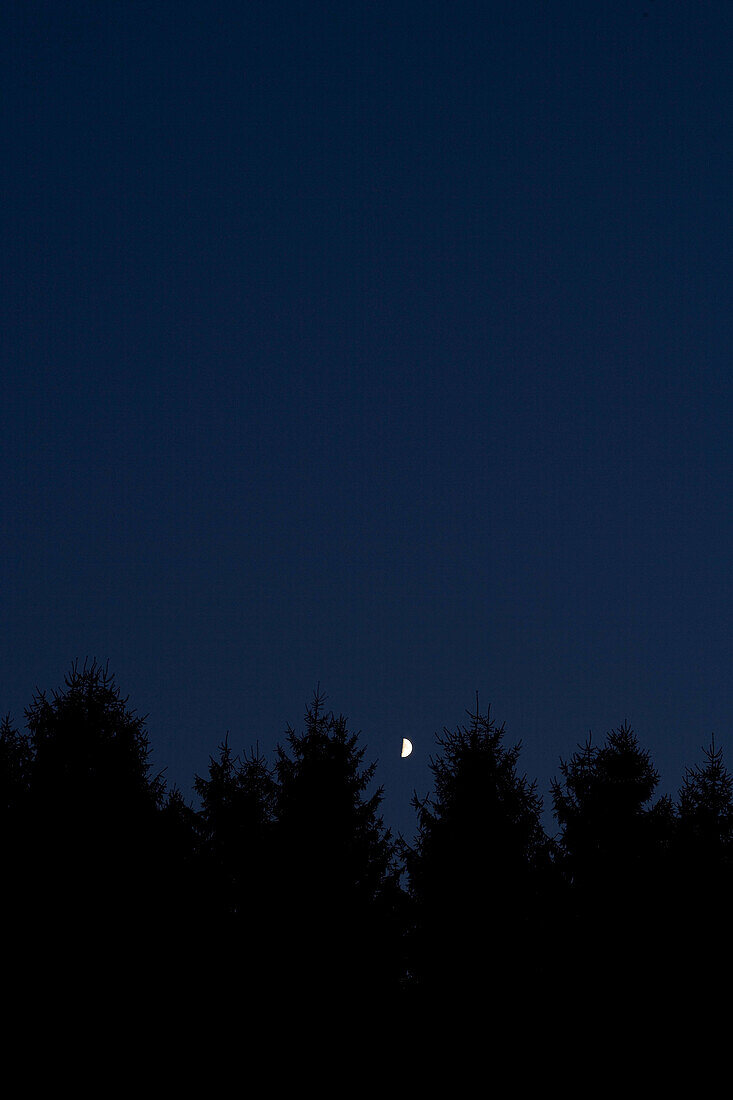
[406, 747]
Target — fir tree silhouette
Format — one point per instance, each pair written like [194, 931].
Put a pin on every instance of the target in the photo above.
[706, 808]
[478, 870]
[92, 850]
[338, 877]
[236, 871]
[703, 853]
[235, 826]
[614, 852]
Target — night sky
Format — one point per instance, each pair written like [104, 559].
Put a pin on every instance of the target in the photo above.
[383, 345]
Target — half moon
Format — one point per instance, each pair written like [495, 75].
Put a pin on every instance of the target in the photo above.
[406, 747]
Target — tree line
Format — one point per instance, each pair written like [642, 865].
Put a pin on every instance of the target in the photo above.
[284, 878]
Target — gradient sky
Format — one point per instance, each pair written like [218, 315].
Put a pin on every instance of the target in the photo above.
[382, 344]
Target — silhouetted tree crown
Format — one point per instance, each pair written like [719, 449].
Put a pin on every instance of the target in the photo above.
[706, 804]
[480, 806]
[337, 871]
[616, 854]
[16, 758]
[325, 818]
[479, 861]
[93, 857]
[235, 823]
[704, 848]
[601, 803]
[90, 751]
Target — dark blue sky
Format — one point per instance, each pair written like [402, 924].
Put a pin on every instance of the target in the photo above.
[385, 345]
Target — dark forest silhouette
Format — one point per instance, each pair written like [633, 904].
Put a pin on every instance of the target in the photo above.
[285, 882]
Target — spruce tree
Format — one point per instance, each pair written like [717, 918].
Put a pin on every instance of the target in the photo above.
[614, 847]
[235, 826]
[94, 854]
[601, 806]
[479, 867]
[705, 807]
[704, 852]
[338, 876]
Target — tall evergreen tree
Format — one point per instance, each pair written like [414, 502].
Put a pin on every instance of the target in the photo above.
[235, 823]
[704, 854]
[235, 870]
[601, 805]
[93, 843]
[614, 844]
[479, 868]
[706, 807]
[338, 874]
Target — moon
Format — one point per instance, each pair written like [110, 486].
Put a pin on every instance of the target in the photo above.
[406, 747]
